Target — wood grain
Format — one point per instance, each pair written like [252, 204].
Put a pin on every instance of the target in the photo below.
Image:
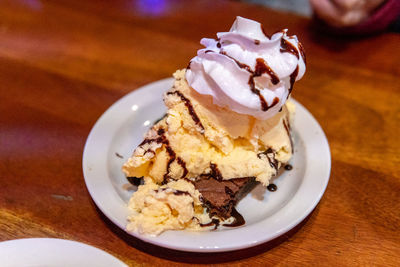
[62, 63]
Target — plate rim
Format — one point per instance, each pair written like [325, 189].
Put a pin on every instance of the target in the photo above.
[157, 241]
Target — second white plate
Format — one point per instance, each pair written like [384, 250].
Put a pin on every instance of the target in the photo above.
[268, 214]
[45, 252]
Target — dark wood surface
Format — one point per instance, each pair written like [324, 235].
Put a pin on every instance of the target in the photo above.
[63, 63]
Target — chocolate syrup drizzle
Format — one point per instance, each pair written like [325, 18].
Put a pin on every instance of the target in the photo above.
[135, 180]
[270, 154]
[214, 222]
[240, 64]
[181, 193]
[161, 139]
[302, 52]
[293, 77]
[190, 108]
[172, 158]
[160, 119]
[239, 220]
[272, 187]
[215, 173]
[271, 159]
[175, 192]
[288, 167]
[288, 47]
[286, 124]
[260, 68]
[228, 191]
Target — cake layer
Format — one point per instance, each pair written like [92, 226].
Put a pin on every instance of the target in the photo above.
[220, 197]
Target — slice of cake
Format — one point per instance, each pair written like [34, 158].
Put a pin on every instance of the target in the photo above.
[227, 126]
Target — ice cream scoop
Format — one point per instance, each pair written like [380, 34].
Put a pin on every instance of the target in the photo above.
[247, 71]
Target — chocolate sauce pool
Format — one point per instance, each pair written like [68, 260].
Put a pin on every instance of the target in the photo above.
[214, 222]
[239, 220]
[135, 180]
[288, 167]
[272, 187]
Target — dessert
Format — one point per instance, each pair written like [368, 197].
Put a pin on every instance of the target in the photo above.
[227, 127]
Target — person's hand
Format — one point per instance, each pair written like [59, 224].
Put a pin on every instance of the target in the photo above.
[344, 13]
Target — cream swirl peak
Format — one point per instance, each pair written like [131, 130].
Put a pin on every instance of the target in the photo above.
[247, 71]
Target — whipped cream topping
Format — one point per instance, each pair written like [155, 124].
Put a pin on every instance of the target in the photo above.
[247, 71]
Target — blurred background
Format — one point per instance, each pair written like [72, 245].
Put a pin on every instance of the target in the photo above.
[360, 17]
[299, 7]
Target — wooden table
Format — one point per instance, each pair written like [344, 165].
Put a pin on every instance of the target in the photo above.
[63, 63]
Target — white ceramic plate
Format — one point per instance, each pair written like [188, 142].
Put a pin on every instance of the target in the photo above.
[121, 128]
[46, 252]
